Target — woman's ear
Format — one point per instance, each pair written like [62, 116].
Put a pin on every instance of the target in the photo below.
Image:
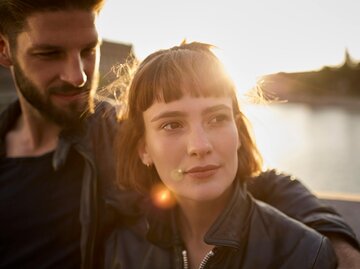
[238, 127]
[5, 56]
[144, 154]
[239, 142]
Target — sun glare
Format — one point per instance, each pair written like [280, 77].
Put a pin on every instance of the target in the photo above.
[162, 197]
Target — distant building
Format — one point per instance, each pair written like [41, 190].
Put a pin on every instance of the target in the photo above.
[328, 83]
[112, 53]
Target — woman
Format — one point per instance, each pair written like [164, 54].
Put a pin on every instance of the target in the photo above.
[186, 145]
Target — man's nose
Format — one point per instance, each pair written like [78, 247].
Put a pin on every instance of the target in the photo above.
[199, 143]
[73, 71]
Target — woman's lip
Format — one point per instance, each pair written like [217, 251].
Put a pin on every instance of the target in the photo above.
[202, 168]
[202, 171]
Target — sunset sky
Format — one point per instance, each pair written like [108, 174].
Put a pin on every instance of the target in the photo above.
[257, 37]
[254, 37]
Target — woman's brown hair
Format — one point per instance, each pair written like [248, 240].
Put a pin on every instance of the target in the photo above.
[167, 75]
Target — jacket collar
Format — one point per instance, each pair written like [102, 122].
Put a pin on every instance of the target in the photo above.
[66, 138]
[7, 120]
[228, 230]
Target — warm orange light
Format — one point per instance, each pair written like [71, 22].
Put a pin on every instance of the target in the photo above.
[162, 197]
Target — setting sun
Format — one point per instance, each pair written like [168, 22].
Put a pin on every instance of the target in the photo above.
[253, 37]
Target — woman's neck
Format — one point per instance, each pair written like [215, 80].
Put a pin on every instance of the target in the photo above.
[195, 219]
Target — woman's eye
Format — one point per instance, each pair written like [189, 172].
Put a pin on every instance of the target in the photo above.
[219, 118]
[171, 126]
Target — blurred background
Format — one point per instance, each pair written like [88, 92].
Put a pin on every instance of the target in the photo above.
[304, 51]
[304, 54]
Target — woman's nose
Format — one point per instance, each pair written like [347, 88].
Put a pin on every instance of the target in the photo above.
[199, 143]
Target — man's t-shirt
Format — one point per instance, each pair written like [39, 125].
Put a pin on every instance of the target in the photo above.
[39, 212]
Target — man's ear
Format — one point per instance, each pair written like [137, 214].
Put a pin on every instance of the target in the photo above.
[5, 56]
[143, 153]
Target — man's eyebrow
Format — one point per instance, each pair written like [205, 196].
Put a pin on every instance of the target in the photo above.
[168, 114]
[44, 47]
[91, 44]
[94, 43]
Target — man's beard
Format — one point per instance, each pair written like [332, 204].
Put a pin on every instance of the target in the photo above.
[68, 117]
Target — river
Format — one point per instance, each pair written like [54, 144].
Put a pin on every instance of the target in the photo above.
[319, 145]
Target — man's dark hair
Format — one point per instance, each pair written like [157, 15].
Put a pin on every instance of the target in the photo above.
[13, 13]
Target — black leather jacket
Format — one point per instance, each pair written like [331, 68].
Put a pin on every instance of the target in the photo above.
[94, 142]
[103, 205]
[248, 234]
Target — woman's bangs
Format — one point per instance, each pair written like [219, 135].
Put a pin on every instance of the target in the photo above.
[210, 81]
[171, 76]
[197, 76]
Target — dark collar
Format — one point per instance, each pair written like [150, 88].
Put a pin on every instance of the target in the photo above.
[67, 138]
[7, 120]
[228, 230]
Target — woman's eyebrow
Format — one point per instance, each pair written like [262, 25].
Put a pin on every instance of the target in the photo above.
[216, 108]
[175, 113]
[168, 114]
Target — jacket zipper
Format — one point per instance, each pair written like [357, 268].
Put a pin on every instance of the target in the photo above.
[203, 262]
[87, 259]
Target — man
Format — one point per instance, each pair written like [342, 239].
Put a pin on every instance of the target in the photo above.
[48, 178]
[56, 164]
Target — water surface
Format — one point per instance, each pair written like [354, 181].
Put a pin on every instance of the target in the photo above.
[319, 145]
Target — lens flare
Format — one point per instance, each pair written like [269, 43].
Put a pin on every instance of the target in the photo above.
[162, 197]
[177, 174]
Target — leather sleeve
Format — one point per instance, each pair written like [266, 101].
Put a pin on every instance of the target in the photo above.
[326, 257]
[290, 196]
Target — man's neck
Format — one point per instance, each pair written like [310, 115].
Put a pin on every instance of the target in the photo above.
[32, 135]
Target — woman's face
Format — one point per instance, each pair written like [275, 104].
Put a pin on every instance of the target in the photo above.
[197, 135]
